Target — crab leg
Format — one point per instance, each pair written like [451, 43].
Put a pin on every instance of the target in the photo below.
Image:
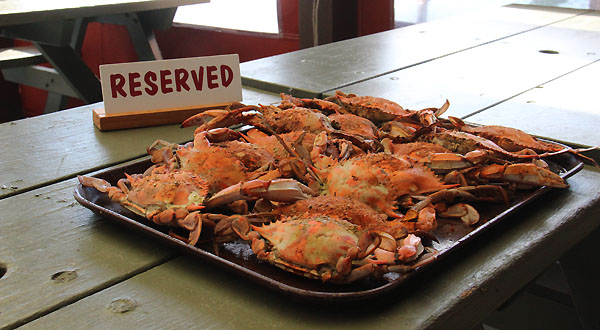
[576, 152]
[218, 118]
[288, 101]
[114, 193]
[402, 268]
[525, 173]
[280, 190]
[193, 223]
[465, 212]
[98, 184]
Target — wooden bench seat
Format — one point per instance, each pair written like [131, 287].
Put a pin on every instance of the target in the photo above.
[13, 57]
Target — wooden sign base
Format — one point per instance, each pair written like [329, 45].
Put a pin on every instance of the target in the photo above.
[116, 121]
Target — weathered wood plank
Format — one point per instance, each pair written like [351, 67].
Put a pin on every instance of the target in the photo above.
[456, 294]
[319, 69]
[484, 76]
[45, 232]
[57, 146]
[565, 109]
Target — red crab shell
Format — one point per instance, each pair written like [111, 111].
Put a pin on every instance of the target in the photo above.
[223, 164]
[353, 124]
[347, 209]
[413, 150]
[295, 119]
[379, 179]
[162, 191]
[316, 247]
[376, 109]
[274, 147]
[512, 139]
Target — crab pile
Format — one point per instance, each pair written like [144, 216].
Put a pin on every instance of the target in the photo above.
[337, 189]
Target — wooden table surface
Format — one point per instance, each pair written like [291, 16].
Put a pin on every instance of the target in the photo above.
[66, 267]
[352, 61]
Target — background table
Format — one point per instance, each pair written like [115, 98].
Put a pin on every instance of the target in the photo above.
[66, 267]
[57, 29]
[361, 59]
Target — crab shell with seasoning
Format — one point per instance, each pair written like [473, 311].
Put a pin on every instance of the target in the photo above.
[347, 209]
[221, 164]
[395, 244]
[318, 247]
[379, 180]
[171, 199]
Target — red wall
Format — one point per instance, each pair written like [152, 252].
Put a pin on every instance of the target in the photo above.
[186, 41]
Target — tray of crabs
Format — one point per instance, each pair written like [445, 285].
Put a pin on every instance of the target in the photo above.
[338, 199]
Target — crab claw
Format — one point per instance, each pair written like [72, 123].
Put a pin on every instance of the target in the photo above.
[193, 223]
[406, 250]
[446, 161]
[465, 212]
[280, 190]
[425, 258]
[203, 117]
[524, 173]
[423, 215]
[410, 248]
[161, 151]
[217, 118]
[99, 184]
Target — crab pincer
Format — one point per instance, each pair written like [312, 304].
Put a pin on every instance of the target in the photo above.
[281, 190]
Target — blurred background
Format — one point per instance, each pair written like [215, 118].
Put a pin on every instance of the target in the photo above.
[252, 29]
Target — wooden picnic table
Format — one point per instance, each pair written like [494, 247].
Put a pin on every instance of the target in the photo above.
[64, 266]
[57, 29]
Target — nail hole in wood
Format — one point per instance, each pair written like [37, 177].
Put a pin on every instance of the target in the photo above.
[64, 276]
[548, 51]
[122, 305]
[3, 269]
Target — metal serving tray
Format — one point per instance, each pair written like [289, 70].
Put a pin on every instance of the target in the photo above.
[238, 257]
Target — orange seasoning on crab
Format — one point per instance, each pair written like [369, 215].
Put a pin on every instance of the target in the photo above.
[379, 179]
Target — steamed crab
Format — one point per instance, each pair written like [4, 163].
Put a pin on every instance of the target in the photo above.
[399, 242]
[339, 117]
[379, 180]
[319, 247]
[524, 175]
[380, 110]
[434, 156]
[172, 199]
[274, 120]
[265, 117]
[347, 209]
[221, 164]
[515, 140]
[472, 165]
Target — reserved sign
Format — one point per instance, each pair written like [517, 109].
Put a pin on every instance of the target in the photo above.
[171, 84]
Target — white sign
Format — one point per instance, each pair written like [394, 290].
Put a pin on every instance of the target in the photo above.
[168, 84]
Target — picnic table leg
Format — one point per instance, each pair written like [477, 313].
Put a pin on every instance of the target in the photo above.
[76, 73]
[581, 267]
